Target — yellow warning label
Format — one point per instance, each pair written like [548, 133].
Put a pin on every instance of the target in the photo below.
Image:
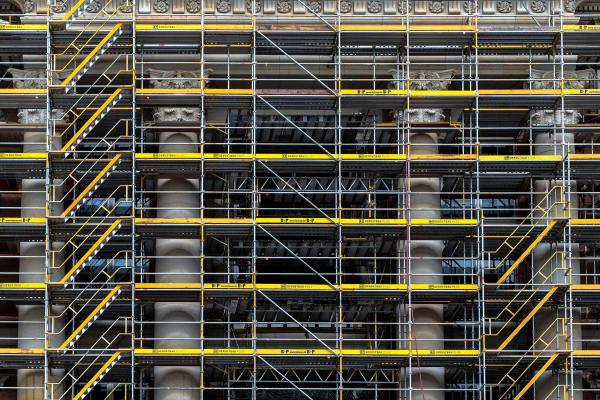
[373, 286]
[581, 91]
[228, 285]
[294, 220]
[228, 351]
[392, 157]
[373, 92]
[450, 353]
[372, 352]
[520, 158]
[168, 156]
[443, 221]
[168, 27]
[23, 27]
[41, 156]
[443, 287]
[168, 351]
[19, 285]
[228, 156]
[581, 27]
[8, 220]
[373, 221]
[294, 352]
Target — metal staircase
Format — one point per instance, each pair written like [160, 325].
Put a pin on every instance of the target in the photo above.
[90, 202]
[515, 302]
[538, 224]
[529, 367]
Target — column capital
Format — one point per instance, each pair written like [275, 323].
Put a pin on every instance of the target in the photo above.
[422, 79]
[176, 79]
[572, 79]
[29, 78]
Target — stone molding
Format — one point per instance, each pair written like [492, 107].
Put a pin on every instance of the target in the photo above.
[434, 8]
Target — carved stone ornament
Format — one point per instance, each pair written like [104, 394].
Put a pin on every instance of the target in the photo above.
[538, 6]
[427, 115]
[572, 79]
[126, 6]
[401, 6]
[177, 114]
[161, 6]
[504, 7]
[223, 6]
[94, 6]
[569, 6]
[431, 80]
[193, 6]
[28, 6]
[315, 6]
[35, 78]
[60, 7]
[257, 6]
[176, 79]
[436, 7]
[554, 117]
[283, 6]
[469, 6]
[345, 6]
[374, 6]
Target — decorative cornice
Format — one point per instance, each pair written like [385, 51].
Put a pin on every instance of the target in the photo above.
[434, 8]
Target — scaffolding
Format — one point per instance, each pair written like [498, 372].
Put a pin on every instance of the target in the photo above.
[332, 199]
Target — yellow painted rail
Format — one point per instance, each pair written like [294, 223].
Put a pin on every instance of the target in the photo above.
[95, 115]
[95, 312]
[308, 287]
[91, 54]
[92, 184]
[307, 352]
[527, 251]
[304, 221]
[79, 264]
[537, 375]
[527, 318]
[97, 376]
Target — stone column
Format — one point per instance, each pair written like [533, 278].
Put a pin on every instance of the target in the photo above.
[545, 258]
[32, 264]
[177, 323]
[426, 255]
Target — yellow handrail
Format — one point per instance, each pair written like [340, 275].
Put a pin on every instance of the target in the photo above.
[81, 229]
[538, 353]
[115, 225]
[514, 234]
[527, 318]
[91, 185]
[79, 48]
[91, 54]
[89, 318]
[527, 251]
[97, 375]
[90, 120]
[525, 301]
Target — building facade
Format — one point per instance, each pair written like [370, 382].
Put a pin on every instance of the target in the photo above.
[299, 199]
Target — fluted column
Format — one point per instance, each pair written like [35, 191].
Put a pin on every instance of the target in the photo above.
[177, 260]
[426, 255]
[546, 256]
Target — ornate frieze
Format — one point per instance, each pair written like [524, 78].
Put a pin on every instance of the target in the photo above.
[435, 8]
